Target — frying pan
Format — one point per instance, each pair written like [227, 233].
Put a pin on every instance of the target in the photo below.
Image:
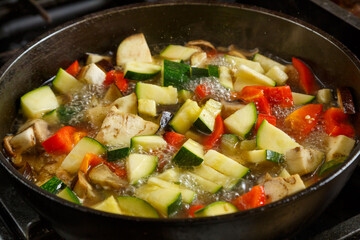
[163, 23]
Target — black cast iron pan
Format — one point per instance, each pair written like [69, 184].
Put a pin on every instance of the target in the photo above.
[221, 24]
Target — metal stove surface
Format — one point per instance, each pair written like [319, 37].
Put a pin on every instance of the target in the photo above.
[341, 220]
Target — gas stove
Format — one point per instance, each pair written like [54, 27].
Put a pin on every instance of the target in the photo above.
[22, 21]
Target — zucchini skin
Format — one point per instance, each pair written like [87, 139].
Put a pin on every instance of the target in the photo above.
[175, 74]
[54, 185]
[185, 158]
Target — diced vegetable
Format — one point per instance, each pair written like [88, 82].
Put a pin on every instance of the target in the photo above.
[307, 79]
[339, 146]
[62, 142]
[185, 116]
[238, 62]
[116, 154]
[336, 123]
[206, 120]
[90, 161]
[279, 95]
[67, 194]
[175, 74]
[199, 72]
[242, 121]
[54, 185]
[205, 184]
[261, 117]
[147, 107]
[201, 91]
[272, 138]
[214, 71]
[86, 145]
[116, 77]
[345, 100]
[193, 209]
[108, 205]
[178, 52]
[133, 48]
[302, 99]
[146, 143]
[190, 154]
[246, 76]
[229, 143]
[330, 166]
[133, 206]
[94, 58]
[174, 139]
[216, 208]
[278, 75]
[324, 96]
[224, 164]
[256, 95]
[39, 101]
[92, 74]
[23, 141]
[303, 120]
[141, 71]
[184, 95]
[73, 69]
[161, 95]
[213, 138]
[252, 199]
[302, 161]
[225, 77]
[267, 63]
[140, 166]
[261, 156]
[65, 83]
[165, 200]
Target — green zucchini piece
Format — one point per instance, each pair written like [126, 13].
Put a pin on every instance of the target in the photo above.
[278, 75]
[141, 71]
[147, 107]
[214, 176]
[302, 99]
[115, 154]
[225, 77]
[229, 143]
[186, 194]
[242, 121]
[185, 116]
[66, 113]
[191, 153]
[330, 166]
[175, 74]
[324, 96]
[65, 82]
[86, 145]
[165, 200]
[224, 164]
[267, 63]
[51, 117]
[215, 209]
[38, 101]
[206, 120]
[133, 206]
[178, 52]
[213, 71]
[161, 95]
[199, 72]
[184, 95]
[245, 76]
[140, 166]
[205, 184]
[260, 156]
[108, 205]
[67, 194]
[54, 185]
[146, 143]
[272, 138]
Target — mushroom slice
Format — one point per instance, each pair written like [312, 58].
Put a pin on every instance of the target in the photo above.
[345, 100]
[104, 177]
[24, 140]
[40, 127]
[229, 108]
[198, 59]
[83, 188]
[200, 43]
[245, 53]
[8, 146]
[303, 161]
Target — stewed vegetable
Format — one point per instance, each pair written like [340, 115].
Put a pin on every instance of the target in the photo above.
[191, 131]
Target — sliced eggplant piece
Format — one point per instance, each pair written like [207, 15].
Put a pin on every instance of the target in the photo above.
[339, 146]
[7, 145]
[118, 128]
[84, 189]
[228, 108]
[345, 100]
[303, 161]
[40, 127]
[95, 58]
[324, 96]
[24, 140]
[92, 74]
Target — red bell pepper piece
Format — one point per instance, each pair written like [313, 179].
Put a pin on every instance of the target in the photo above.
[201, 91]
[120, 172]
[211, 53]
[174, 139]
[117, 77]
[74, 68]
[252, 199]
[256, 95]
[279, 95]
[218, 131]
[193, 209]
[89, 161]
[261, 117]
[307, 79]
[336, 123]
[61, 142]
[304, 119]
